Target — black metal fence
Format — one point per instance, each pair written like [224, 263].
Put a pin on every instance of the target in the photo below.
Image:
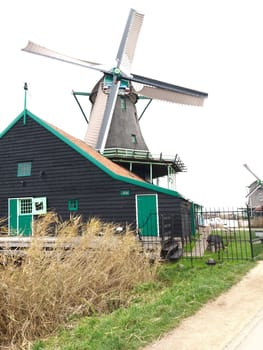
[213, 235]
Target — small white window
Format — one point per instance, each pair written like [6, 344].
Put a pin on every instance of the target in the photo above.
[39, 205]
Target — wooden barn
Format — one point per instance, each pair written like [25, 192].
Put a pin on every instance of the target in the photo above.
[45, 169]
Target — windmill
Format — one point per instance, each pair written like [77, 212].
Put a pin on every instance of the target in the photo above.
[113, 122]
[255, 194]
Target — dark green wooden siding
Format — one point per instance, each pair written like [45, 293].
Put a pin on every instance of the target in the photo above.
[60, 173]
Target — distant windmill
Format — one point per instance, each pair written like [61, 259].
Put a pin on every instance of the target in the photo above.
[255, 194]
[116, 84]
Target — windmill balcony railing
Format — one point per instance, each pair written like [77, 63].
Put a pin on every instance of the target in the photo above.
[134, 153]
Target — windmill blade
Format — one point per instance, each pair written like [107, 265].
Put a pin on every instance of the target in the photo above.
[43, 51]
[129, 39]
[108, 113]
[170, 96]
[96, 117]
[160, 90]
[247, 167]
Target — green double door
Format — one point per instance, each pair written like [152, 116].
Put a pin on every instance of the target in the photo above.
[147, 214]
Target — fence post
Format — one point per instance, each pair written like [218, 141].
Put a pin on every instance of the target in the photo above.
[250, 232]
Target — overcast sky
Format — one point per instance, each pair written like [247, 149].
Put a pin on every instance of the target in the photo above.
[212, 46]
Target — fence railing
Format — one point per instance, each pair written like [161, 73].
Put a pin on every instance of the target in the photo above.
[213, 235]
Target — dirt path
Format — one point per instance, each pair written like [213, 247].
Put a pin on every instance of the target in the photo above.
[216, 325]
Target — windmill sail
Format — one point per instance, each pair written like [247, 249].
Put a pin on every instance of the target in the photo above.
[43, 51]
[171, 96]
[97, 113]
[129, 40]
[160, 90]
[251, 172]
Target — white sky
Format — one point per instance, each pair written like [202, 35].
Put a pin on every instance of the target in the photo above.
[212, 46]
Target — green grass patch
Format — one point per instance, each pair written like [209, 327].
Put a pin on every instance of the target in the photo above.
[238, 245]
[179, 291]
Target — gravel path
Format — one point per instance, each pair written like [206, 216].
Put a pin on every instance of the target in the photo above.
[220, 322]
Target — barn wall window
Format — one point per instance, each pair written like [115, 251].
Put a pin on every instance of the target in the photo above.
[123, 103]
[73, 204]
[39, 205]
[24, 169]
[134, 139]
[25, 206]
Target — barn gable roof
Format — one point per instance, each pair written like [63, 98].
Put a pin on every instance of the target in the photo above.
[111, 168]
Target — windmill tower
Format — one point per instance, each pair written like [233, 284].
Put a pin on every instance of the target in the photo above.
[114, 128]
[124, 131]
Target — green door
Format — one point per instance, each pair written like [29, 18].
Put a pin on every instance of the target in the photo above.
[20, 216]
[12, 217]
[147, 215]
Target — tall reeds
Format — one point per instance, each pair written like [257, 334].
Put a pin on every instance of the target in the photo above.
[89, 269]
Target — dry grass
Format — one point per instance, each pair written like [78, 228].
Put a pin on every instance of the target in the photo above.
[93, 275]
